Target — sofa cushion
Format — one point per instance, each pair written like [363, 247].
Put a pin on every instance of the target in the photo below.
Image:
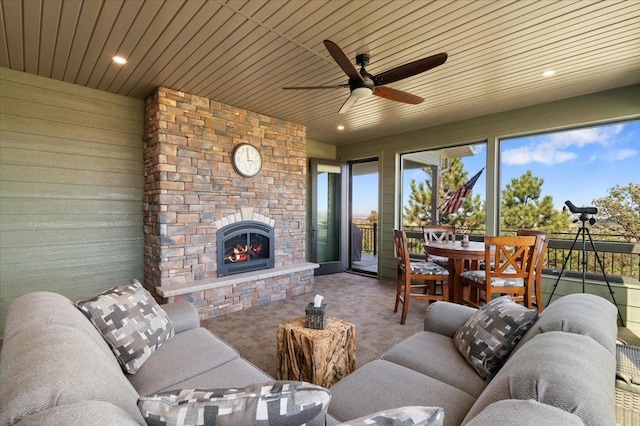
[436, 356]
[517, 412]
[402, 416]
[186, 355]
[381, 385]
[578, 313]
[49, 366]
[183, 315]
[568, 371]
[81, 413]
[42, 308]
[131, 321]
[489, 336]
[236, 373]
[446, 318]
[271, 403]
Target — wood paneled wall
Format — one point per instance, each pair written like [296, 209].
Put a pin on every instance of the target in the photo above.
[71, 187]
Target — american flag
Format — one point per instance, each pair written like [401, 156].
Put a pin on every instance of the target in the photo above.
[454, 202]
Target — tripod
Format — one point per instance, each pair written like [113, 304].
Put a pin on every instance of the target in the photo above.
[584, 231]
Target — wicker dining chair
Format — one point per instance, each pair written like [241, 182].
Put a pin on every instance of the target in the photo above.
[512, 261]
[416, 280]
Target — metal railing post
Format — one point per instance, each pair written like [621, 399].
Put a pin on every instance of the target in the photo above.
[375, 238]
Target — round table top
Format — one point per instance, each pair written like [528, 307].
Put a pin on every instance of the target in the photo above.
[454, 249]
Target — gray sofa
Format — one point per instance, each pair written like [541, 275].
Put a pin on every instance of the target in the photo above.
[56, 369]
[562, 371]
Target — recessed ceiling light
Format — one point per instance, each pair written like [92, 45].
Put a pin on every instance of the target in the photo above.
[341, 127]
[549, 73]
[119, 60]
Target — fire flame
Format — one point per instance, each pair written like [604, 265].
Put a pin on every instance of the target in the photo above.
[241, 253]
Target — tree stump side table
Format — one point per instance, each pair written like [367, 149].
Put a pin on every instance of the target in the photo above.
[321, 357]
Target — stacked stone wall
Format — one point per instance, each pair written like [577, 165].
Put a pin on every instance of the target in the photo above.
[190, 183]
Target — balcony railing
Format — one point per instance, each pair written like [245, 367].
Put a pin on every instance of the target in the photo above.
[369, 237]
[619, 259]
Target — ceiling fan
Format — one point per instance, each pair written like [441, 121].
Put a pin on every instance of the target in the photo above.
[362, 84]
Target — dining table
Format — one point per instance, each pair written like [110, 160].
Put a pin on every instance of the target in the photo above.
[459, 256]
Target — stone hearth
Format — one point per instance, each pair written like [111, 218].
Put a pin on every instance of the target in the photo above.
[192, 189]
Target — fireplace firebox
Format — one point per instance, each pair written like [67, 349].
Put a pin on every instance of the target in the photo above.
[243, 247]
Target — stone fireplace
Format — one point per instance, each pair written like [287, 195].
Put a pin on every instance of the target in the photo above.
[194, 199]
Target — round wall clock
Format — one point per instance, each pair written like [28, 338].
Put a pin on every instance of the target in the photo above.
[246, 159]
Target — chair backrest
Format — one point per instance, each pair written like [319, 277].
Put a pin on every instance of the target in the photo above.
[542, 249]
[402, 248]
[512, 256]
[438, 233]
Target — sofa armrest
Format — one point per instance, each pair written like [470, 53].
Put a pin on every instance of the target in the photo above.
[183, 315]
[446, 317]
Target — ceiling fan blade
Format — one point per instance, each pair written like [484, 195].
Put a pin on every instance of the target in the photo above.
[397, 95]
[410, 69]
[343, 60]
[351, 101]
[338, 86]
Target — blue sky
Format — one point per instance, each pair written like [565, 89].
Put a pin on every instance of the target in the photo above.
[577, 165]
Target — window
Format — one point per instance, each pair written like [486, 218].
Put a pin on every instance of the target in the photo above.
[431, 178]
[591, 167]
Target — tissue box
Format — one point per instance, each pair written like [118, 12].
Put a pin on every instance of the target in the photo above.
[316, 317]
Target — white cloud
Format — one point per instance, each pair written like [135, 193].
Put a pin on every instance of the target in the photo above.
[557, 148]
[594, 135]
[544, 153]
[623, 154]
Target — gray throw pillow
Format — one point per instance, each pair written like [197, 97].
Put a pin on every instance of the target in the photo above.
[402, 416]
[489, 336]
[131, 321]
[270, 403]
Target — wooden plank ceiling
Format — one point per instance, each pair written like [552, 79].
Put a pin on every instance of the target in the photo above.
[243, 52]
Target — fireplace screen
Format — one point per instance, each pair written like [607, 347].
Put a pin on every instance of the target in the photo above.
[243, 247]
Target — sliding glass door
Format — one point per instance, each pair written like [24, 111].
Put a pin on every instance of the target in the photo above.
[329, 215]
[364, 216]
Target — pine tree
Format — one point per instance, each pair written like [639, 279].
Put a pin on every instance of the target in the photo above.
[471, 215]
[373, 217]
[418, 211]
[622, 208]
[523, 207]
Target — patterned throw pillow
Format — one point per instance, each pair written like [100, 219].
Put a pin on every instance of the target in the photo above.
[489, 336]
[131, 321]
[403, 416]
[270, 403]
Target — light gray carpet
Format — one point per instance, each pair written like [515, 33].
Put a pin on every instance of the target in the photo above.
[363, 301]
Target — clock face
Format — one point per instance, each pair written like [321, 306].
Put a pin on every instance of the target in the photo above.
[247, 160]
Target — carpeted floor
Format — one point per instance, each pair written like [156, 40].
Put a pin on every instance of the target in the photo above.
[363, 301]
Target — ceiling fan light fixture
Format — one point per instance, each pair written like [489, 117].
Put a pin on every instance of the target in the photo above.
[364, 85]
[362, 92]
